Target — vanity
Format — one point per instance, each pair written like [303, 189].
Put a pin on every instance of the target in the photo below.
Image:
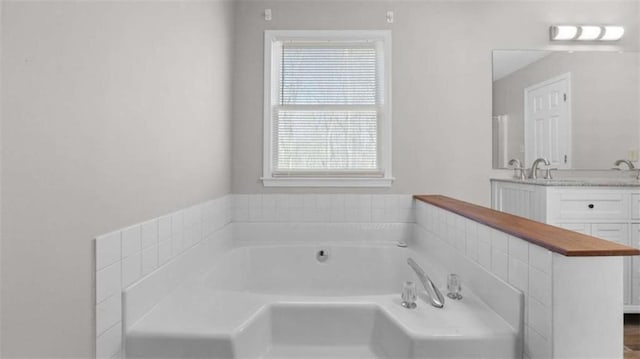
[607, 208]
[546, 110]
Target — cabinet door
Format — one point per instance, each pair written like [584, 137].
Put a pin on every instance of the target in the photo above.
[518, 199]
[635, 265]
[584, 228]
[614, 232]
[617, 232]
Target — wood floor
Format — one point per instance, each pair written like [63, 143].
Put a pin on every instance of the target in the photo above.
[632, 336]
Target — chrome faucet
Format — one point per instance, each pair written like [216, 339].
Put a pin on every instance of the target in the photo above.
[435, 297]
[534, 167]
[517, 167]
[626, 162]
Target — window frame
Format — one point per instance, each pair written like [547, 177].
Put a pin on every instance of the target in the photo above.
[272, 38]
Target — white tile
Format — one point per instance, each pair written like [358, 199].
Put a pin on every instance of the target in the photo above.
[177, 222]
[131, 242]
[310, 208]
[500, 264]
[471, 229]
[240, 207]
[337, 208]
[484, 233]
[117, 355]
[378, 202]
[164, 252]
[519, 274]
[540, 318]
[193, 215]
[269, 204]
[108, 313]
[109, 343]
[459, 238]
[149, 260]
[282, 208]
[540, 258]
[540, 286]
[378, 215]
[519, 249]
[177, 245]
[484, 254]
[164, 228]
[149, 233]
[131, 269]
[472, 240]
[536, 346]
[108, 282]
[255, 208]
[296, 201]
[499, 241]
[107, 249]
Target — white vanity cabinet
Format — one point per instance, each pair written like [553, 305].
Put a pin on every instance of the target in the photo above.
[607, 212]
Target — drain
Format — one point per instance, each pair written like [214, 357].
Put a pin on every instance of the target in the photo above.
[322, 255]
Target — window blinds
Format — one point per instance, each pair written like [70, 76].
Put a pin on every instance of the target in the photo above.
[326, 118]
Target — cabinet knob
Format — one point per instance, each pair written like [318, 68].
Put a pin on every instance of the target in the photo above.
[591, 205]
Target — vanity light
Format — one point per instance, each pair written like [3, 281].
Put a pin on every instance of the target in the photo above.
[586, 32]
[612, 33]
[589, 33]
[563, 32]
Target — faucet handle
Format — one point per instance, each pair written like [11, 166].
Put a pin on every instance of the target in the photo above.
[547, 174]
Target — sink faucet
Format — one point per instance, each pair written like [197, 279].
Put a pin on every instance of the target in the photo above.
[435, 297]
[518, 167]
[534, 167]
[626, 162]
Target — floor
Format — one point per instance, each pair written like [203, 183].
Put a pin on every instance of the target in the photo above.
[632, 336]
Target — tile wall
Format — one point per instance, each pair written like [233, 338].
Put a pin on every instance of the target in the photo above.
[125, 256]
[473, 247]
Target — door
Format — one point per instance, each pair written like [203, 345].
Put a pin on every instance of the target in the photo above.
[547, 122]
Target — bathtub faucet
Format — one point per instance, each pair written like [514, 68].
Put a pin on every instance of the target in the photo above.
[435, 297]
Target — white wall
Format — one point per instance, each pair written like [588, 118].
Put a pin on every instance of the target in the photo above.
[113, 113]
[441, 79]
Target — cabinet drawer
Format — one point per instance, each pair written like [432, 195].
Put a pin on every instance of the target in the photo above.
[586, 206]
[584, 228]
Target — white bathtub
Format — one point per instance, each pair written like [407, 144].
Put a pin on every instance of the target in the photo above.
[294, 270]
[280, 301]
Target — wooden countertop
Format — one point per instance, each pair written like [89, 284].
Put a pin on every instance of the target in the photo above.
[555, 239]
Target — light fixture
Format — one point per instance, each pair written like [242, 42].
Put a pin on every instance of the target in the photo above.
[586, 32]
[563, 32]
[612, 33]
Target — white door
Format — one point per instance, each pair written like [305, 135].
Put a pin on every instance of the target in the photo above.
[547, 122]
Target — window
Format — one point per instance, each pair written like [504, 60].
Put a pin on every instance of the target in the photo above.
[327, 119]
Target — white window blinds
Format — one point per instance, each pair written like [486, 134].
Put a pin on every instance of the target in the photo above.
[328, 109]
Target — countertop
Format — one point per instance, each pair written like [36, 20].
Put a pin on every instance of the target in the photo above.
[575, 182]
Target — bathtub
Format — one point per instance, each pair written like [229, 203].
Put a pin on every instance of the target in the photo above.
[317, 301]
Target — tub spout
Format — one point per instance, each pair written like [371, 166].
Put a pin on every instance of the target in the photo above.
[435, 297]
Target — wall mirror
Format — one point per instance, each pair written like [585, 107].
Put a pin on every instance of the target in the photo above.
[578, 109]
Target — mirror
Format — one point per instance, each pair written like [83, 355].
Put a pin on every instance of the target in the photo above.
[578, 109]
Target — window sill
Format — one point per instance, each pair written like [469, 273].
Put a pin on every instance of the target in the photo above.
[327, 182]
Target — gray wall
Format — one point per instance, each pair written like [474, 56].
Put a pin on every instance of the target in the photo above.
[113, 113]
[441, 79]
[604, 95]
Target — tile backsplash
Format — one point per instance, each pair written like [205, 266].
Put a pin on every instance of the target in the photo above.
[125, 256]
[338, 208]
[465, 245]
